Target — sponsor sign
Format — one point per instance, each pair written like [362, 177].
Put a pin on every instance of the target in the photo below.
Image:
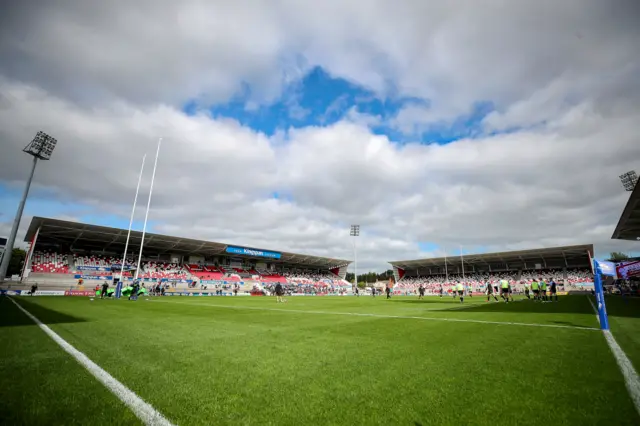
[93, 277]
[43, 293]
[79, 293]
[253, 252]
[10, 292]
[628, 269]
[93, 268]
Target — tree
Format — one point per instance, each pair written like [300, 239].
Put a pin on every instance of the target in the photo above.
[16, 262]
[616, 256]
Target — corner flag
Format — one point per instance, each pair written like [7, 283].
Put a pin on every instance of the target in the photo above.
[608, 269]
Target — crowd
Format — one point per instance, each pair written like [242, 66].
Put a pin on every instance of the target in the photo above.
[477, 281]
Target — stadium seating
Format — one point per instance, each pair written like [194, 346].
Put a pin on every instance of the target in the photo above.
[478, 282]
[49, 263]
[171, 271]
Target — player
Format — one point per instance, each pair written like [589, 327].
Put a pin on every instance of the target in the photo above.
[504, 285]
[105, 288]
[388, 291]
[535, 287]
[510, 292]
[543, 290]
[357, 292]
[421, 292]
[279, 293]
[469, 290]
[441, 291]
[460, 289]
[553, 290]
[526, 291]
[490, 292]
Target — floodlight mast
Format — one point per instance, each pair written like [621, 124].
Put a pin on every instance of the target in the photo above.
[355, 232]
[40, 148]
[629, 180]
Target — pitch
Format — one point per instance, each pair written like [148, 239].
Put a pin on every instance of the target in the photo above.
[319, 360]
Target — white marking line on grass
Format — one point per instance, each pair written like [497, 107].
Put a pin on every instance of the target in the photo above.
[297, 311]
[629, 373]
[144, 411]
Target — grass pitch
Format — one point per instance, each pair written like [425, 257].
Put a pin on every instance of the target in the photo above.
[319, 360]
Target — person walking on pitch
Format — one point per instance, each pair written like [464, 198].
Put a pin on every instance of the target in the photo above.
[460, 289]
[280, 293]
[504, 285]
[553, 291]
[543, 289]
[526, 291]
[535, 287]
[490, 292]
[105, 288]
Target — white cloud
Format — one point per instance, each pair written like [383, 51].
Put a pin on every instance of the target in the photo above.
[108, 79]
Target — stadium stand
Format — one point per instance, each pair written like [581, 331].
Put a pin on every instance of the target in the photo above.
[568, 266]
[80, 256]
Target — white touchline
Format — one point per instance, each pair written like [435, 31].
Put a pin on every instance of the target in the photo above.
[381, 315]
[144, 411]
[629, 373]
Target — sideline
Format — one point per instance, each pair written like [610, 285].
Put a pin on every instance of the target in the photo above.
[144, 411]
[629, 373]
[298, 311]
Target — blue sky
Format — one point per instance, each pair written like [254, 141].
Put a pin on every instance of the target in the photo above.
[318, 99]
[43, 204]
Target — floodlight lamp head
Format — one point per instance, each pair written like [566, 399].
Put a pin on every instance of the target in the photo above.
[355, 230]
[41, 146]
[629, 180]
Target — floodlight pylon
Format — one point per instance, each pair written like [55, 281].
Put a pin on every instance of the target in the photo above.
[355, 232]
[40, 148]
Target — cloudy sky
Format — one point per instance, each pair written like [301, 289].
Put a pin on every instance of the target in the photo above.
[433, 124]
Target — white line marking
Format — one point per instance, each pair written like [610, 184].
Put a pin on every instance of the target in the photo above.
[381, 315]
[629, 373]
[144, 411]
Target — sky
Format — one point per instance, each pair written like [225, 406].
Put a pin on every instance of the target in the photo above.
[440, 126]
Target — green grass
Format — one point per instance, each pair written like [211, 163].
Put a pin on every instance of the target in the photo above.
[244, 360]
[624, 322]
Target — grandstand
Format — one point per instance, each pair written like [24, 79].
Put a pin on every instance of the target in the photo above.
[628, 227]
[66, 255]
[569, 266]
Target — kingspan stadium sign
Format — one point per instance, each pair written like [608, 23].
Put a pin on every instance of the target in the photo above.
[252, 252]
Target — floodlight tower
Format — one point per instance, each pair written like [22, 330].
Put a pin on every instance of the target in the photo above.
[629, 180]
[40, 148]
[355, 232]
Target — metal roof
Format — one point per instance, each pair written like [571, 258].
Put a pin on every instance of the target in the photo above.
[629, 224]
[102, 238]
[569, 254]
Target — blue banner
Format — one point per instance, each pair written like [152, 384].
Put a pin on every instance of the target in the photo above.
[600, 268]
[253, 252]
[607, 268]
[94, 277]
[93, 268]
